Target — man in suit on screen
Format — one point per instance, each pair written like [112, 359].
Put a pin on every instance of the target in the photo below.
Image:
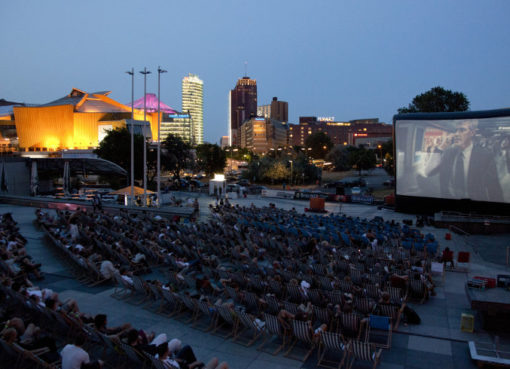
[466, 170]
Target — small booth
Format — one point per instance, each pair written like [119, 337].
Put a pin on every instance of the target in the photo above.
[218, 185]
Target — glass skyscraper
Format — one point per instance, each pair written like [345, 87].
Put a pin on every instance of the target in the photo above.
[193, 102]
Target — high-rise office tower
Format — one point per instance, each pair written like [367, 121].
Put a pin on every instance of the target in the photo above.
[278, 110]
[193, 102]
[242, 107]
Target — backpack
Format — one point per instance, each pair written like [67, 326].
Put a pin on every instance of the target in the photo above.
[410, 316]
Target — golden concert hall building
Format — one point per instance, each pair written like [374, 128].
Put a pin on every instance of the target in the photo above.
[78, 121]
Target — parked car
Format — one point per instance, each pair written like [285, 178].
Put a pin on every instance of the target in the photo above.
[243, 182]
[196, 183]
[256, 189]
[389, 182]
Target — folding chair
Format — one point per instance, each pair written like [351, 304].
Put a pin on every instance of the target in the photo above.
[330, 341]
[207, 311]
[255, 331]
[302, 332]
[365, 352]
[228, 317]
[351, 325]
[418, 290]
[136, 358]
[273, 328]
[393, 311]
[379, 331]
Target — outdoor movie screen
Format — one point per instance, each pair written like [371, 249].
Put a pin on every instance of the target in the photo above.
[454, 159]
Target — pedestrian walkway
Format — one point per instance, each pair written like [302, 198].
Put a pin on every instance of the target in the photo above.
[437, 342]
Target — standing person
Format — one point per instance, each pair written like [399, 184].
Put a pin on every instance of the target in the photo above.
[74, 357]
[465, 170]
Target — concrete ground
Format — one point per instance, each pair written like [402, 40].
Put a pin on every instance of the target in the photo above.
[436, 342]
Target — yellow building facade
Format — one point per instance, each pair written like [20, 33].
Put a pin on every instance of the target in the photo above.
[76, 121]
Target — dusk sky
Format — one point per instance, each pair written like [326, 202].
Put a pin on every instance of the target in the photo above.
[349, 59]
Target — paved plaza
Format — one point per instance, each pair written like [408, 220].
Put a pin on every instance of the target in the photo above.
[437, 342]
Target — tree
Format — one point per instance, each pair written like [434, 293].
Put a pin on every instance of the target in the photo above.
[278, 172]
[175, 154]
[116, 147]
[210, 158]
[339, 156]
[437, 99]
[320, 143]
[362, 159]
[387, 151]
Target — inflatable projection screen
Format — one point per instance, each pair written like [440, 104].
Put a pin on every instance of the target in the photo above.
[453, 161]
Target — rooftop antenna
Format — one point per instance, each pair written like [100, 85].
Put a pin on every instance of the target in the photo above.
[246, 69]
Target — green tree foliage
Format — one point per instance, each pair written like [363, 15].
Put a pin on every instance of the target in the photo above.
[271, 170]
[387, 151]
[176, 154]
[437, 99]
[362, 159]
[278, 172]
[339, 156]
[116, 147]
[320, 143]
[210, 158]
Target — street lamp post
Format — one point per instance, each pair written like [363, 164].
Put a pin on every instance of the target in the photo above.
[159, 135]
[291, 172]
[380, 153]
[132, 74]
[144, 72]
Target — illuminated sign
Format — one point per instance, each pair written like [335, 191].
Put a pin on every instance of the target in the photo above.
[178, 115]
[325, 119]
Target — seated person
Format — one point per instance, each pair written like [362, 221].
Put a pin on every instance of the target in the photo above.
[74, 357]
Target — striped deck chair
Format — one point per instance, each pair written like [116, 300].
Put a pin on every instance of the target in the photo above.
[356, 276]
[228, 317]
[319, 269]
[325, 283]
[351, 325]
[158, 364]
[273, 328]
[418, 290]
[363, 305]
[364, 352]
[345, 286]
[290, 307]
[122, 288]
[136, 358]
[315, 297]
[251, 302]
[231, 293]
[294, 293]
[276, 287]
[140, 290]
[253, 328]
[379, 331]
[207, 311]
[336, 297]
[273, 305]
[330, 341]
[156, 296]
[372, 291]
[397, 295]
[393, 311]
[191, 306]
[322, 315]
[173, 304]
[301, 332]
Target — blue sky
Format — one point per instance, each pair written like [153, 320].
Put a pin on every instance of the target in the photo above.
[349, 59]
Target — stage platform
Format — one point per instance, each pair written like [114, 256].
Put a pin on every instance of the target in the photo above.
[493, 304]
[473, 223]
